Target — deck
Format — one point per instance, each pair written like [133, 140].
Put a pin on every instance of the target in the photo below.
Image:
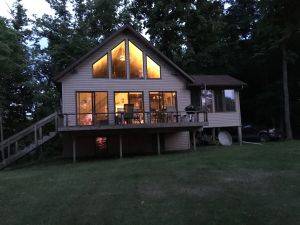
[133, 122]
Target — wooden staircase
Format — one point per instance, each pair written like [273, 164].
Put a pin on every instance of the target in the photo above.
[27, 140]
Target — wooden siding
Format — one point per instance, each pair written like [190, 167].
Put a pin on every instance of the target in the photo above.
[177, 141]
[224, 119]
[82, 80]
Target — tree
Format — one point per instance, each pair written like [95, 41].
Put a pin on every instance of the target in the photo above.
[14, 84]
[279, 23]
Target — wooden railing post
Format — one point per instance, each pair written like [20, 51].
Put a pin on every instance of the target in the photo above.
[16, 146]
[40, 133]
[56, 122]
[2, 153]
[8, 149]
[35, 135]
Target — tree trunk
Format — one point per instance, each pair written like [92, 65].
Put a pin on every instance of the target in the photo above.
[287, 120]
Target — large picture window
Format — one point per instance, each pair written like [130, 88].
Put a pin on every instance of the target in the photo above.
[160, 101]
[225, 100]
[140, 65]
[129, 98]
[136, 62]
[100, 68]
[118, 56]
[92, 107]
[129, 107]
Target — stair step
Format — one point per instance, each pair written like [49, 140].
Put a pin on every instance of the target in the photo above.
[52, 134]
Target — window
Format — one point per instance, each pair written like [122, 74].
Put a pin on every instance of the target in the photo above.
[162, 101]
[136, 62]
[132, 98]
[119, 61]
[129, 107]
[100, 68]
[153, 69]
[101, 144]
[225, 101]
[92, 108]
[124, 51]
[207, 100]
[84, 108]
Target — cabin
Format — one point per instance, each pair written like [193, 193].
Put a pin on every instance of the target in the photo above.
[125, 97]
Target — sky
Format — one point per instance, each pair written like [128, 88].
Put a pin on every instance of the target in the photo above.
[38, 7]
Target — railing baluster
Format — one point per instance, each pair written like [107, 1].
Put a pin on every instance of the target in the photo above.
[16, 146]
[40, 133]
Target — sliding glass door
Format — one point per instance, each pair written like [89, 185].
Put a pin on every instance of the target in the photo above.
[92, 108]
[162, 106]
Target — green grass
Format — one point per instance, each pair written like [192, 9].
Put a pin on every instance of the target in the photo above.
[252, 184]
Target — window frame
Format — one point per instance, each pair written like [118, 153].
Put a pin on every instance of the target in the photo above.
[224, 110]
[126, 61]
[143, 97]
[93, 104]
[108, 70]
[161, 92]
[129, 67]
[147, 68]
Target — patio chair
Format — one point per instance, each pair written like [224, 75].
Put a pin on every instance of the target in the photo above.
[129, 114]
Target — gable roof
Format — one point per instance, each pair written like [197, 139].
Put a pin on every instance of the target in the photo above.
[126, 28]
[216, 81]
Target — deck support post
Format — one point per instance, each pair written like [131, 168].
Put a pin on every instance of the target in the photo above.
[239, 128]
[158, 143]
[74, 149]
[121, 146]
[214, 135]
[194, 140]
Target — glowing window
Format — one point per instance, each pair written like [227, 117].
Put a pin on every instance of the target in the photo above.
[153, 69]
[100, 69]
[84, 108]
[136, 62]
[119, 61]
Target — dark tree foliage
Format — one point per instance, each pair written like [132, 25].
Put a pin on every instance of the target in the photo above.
[256, 41]
[15, 84]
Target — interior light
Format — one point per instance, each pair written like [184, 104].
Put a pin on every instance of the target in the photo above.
[122, 58]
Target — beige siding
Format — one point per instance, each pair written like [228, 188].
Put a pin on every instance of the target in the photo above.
[82, 80]
[177, 141]
[224, 119]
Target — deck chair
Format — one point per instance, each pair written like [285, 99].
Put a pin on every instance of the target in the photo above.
[129, 114]
[172, 114]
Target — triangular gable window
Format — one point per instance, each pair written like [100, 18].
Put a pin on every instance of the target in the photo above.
[100, 68]
[118, 56]
[136, 62]
[153, 69]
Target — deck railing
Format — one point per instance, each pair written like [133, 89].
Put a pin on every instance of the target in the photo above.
[126, 118]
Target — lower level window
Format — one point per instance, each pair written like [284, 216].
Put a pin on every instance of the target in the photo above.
[225, 100]
[101, 144]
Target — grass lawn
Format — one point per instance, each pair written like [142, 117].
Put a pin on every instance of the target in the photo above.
[252, 184]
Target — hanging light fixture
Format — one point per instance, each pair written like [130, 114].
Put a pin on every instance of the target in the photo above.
[122, 56]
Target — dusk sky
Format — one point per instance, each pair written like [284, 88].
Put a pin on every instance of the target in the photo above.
[38, 7]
